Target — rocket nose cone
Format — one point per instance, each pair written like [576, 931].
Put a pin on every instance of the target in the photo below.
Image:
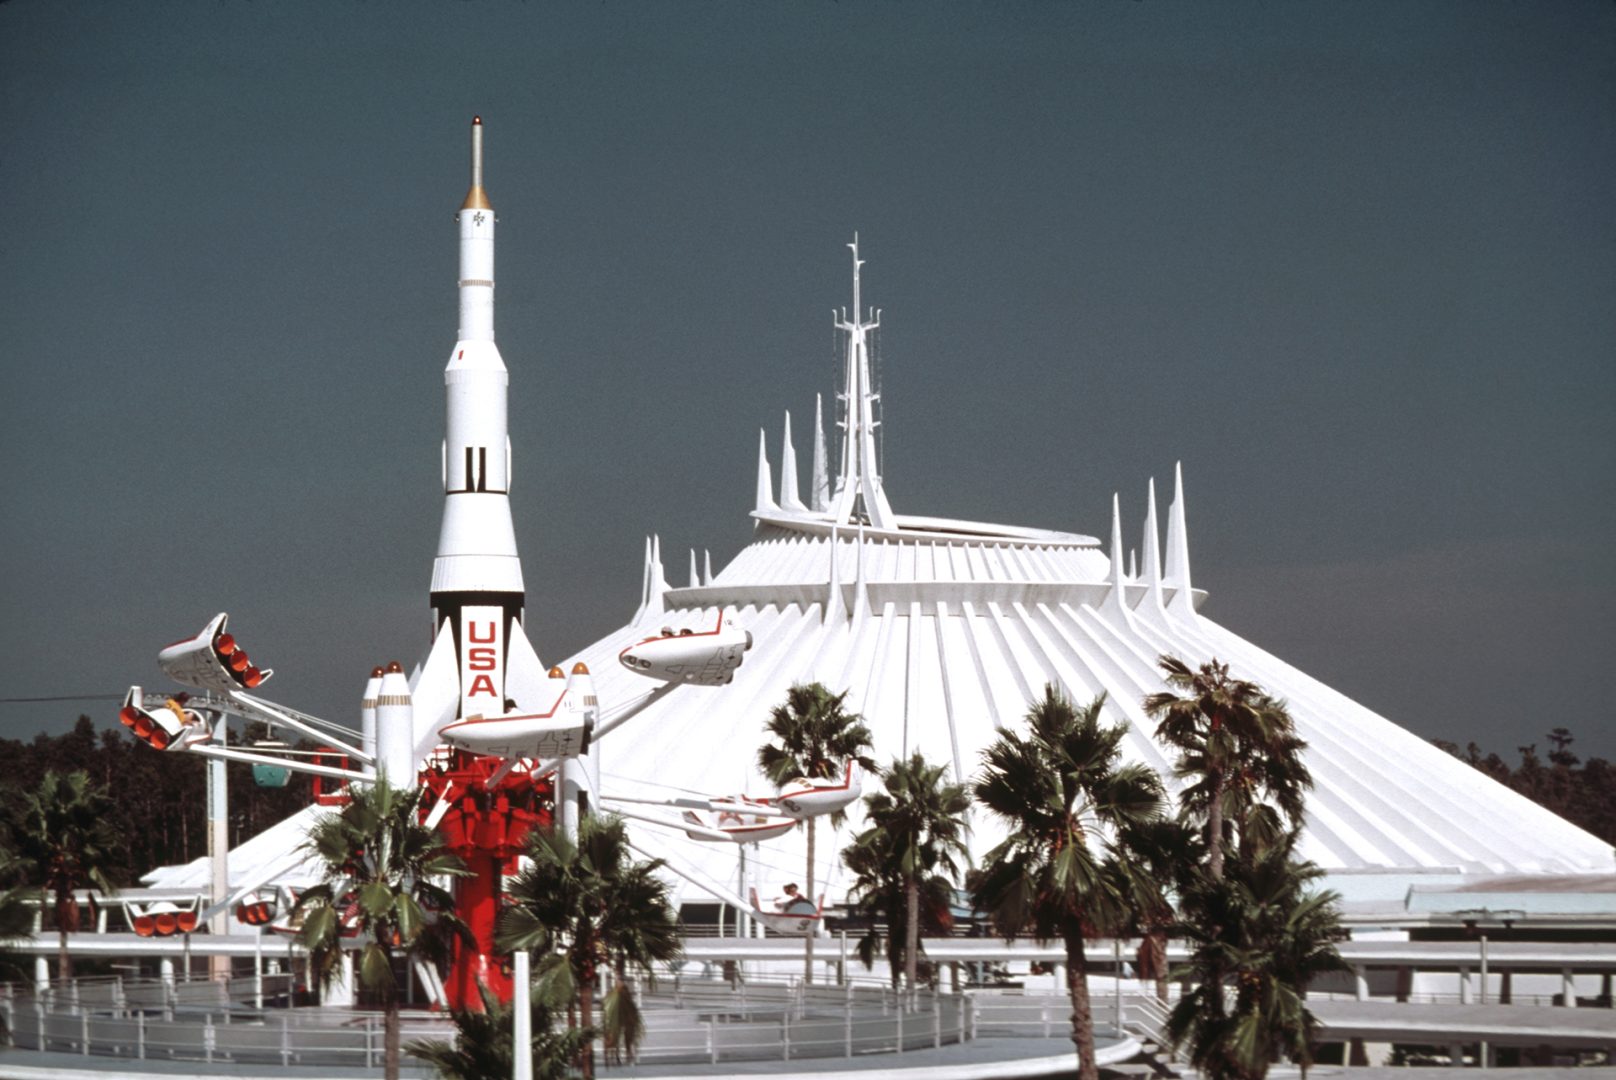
[393, 685]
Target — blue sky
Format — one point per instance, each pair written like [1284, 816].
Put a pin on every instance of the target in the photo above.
[1352, 264]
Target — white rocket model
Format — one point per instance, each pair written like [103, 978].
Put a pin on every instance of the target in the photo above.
[481, 661]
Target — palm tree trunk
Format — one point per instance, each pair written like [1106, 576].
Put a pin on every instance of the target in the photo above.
[586, 1014]
[1214, 828]
[390, 1038]
[1156, 941]
[911, 941]
[621, 1046]
[1077, 985]
[808, 942]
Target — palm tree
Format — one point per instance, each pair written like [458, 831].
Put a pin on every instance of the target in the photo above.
[16, 922]
[1235, 743]
[1266, 928]
[879, 894]
[1251, 914]
[484, 1043]
[379, 871]
[587, 906]
[817, 735]
[1161, 850]
[916, 827]
[1063, 870]
[65, 835]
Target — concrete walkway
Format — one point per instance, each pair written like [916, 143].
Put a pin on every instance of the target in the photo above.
[1509, 1025]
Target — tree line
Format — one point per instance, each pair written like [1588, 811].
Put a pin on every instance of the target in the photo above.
[1582, 792]
[159, 800]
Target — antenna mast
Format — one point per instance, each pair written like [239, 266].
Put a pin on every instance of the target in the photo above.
[860, 483]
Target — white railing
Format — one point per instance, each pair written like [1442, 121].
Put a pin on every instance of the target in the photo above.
[701, 1022]
[1145, 1015]
[714, 1023]
[195, 1021]
[1431, 998]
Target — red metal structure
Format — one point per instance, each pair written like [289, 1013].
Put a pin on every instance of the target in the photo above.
[487, 827]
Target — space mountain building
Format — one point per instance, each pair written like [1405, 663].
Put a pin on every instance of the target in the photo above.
[943, 631]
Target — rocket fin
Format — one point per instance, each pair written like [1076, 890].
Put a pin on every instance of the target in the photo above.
[527, 680]
[436, 691]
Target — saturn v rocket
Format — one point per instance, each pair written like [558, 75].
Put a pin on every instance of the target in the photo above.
[481, 662]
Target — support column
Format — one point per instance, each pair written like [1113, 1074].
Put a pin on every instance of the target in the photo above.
[1568, 988]
[522, 1017]
[219, 849]
[1360, 982]
[1465, 990]
[1116, 957]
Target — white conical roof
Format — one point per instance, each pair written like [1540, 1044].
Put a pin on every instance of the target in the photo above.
[944, 631]
[958, 636]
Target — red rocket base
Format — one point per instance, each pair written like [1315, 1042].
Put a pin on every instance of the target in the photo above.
[487, 828]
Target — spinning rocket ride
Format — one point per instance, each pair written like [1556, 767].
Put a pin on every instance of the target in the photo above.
[502, 743]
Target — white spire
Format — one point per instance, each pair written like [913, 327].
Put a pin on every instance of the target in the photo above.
[788, 472]
[834, 607]
[1133, 564]
[861, 597]
[819, 493]
[765, 487]
[1178, 549]
[707, 567]
[645, 583]
[1117, 599]
[1153, 569]
[656, 581]
[860, 480]
[695, 578]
